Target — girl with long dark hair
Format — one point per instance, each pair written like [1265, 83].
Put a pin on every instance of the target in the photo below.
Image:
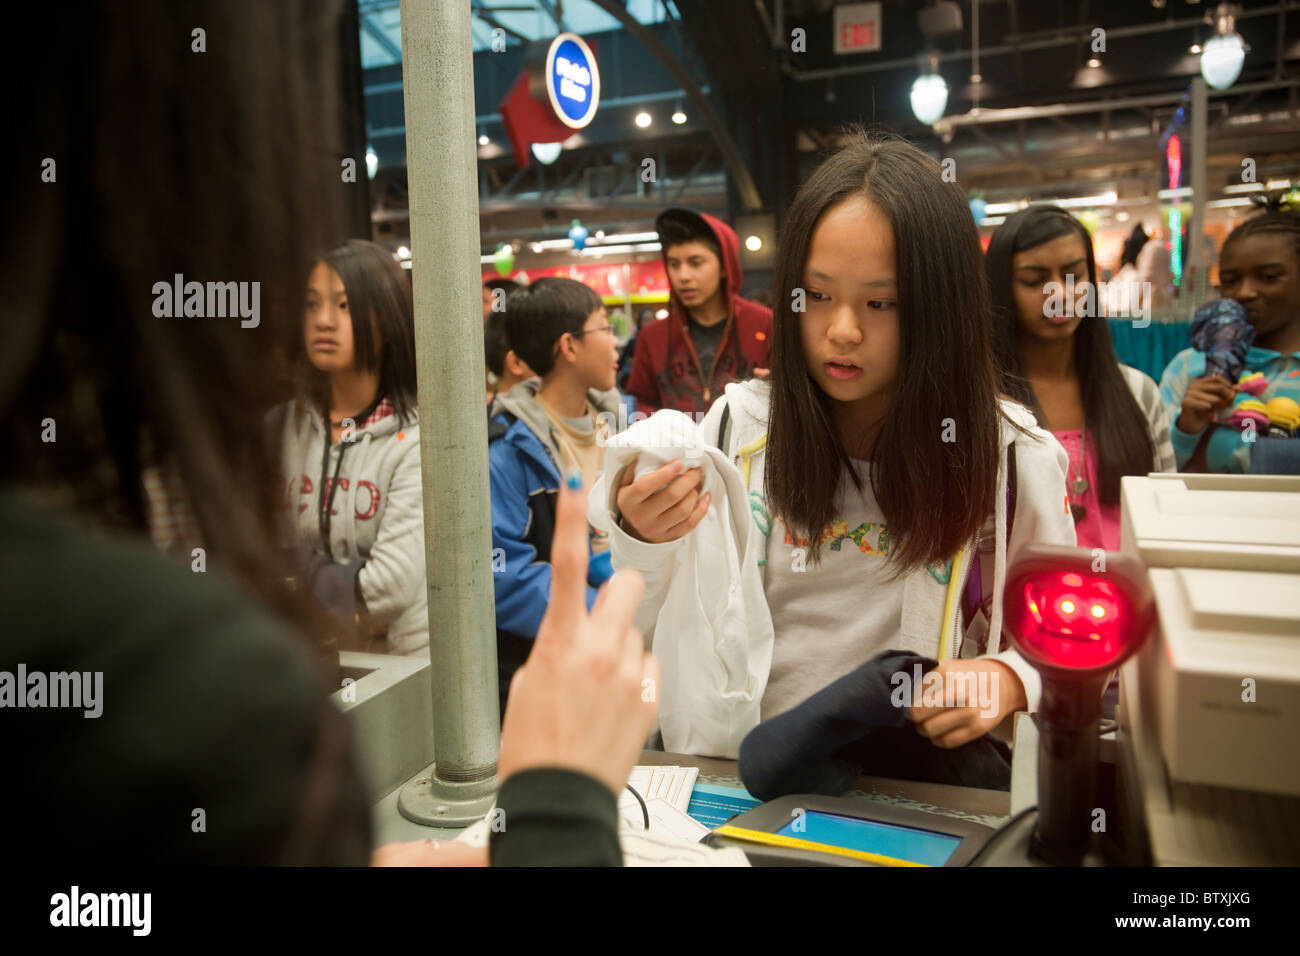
[350, 448]
[1056, 359]
[877, 455]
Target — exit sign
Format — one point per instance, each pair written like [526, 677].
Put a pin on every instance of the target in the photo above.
[857, 27]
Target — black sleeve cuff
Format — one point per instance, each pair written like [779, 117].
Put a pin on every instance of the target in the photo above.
[555, 817]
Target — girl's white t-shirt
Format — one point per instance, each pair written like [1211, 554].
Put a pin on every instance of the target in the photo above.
[829, 618]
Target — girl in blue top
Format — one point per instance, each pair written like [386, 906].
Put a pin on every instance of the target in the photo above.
[1260, 268]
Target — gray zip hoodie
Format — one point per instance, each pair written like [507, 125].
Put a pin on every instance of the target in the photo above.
[377, 512]
[521, 402]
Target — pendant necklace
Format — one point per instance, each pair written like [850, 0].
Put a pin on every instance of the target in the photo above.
[1080, 484]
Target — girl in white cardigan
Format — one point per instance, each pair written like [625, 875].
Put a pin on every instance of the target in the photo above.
[876, 458]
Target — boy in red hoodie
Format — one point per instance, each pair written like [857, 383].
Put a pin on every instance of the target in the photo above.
[711, 336]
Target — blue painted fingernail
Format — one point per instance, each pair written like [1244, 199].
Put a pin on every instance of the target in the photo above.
[573, 480]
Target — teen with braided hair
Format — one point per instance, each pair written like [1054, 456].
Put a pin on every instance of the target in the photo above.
[1260, 268]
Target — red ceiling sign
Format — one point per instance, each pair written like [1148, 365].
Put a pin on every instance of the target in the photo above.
[528, 115]
[529, 121]
[642, 280]
[857, 27]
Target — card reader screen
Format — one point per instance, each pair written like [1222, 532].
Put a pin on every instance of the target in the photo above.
[868, 836]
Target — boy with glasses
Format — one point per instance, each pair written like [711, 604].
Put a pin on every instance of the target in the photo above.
[546, 427]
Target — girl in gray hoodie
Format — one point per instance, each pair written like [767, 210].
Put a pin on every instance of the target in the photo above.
[349, 450]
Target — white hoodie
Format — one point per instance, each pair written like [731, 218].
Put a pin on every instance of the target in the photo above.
[1041, 517]
[377, 514]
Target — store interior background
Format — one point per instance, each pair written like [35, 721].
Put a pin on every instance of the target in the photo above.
[1051, 119]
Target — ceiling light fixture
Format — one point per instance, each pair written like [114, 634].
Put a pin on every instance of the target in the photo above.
[1225, 52]
[929, 92]
[546, 153]
[1080, 202]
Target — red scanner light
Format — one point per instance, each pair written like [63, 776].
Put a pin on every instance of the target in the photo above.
[1071, 620]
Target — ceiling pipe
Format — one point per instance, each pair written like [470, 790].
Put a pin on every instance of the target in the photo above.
[1017, 113]
[1018, 44]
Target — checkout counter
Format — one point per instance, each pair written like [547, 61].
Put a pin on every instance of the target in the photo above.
[1208, 757]
[984, 808]
[1200, 766]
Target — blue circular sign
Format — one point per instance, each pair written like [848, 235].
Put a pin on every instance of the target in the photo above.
[572, 80]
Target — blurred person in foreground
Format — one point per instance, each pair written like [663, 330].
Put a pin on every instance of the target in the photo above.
[206, 679]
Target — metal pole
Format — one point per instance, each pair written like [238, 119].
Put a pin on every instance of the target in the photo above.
[438, 74]
[1196, 263]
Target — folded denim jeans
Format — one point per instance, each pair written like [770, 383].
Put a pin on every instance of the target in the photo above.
[852, 728]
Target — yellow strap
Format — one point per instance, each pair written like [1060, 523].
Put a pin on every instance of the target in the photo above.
[793, 843]
[746, 454]
[950, 605]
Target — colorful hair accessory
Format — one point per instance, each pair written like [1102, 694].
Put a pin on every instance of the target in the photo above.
[1245, 409]
[1222, 330]
[1253, 382]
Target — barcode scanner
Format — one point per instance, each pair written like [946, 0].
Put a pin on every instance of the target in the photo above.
[1075, 617]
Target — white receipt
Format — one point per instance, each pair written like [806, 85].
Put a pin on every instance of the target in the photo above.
[667, 819]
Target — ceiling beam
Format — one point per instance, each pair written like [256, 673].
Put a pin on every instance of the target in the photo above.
[549, 8]
[743, 180]
[485, 14]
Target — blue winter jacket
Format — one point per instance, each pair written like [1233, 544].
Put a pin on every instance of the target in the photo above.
[525, 477]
